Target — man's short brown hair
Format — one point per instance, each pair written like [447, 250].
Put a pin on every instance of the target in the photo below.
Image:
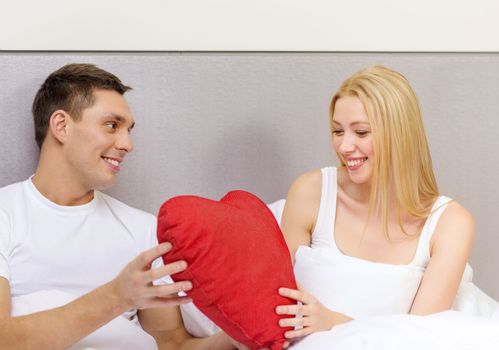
[70, 88]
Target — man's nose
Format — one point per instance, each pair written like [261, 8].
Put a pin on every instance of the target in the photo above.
[124, 141]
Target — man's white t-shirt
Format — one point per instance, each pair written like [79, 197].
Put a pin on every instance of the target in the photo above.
[48, 247]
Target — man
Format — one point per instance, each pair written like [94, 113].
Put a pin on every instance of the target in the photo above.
[59, 234]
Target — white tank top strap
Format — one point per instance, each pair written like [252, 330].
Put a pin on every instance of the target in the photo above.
[322, 236]
[422, 256]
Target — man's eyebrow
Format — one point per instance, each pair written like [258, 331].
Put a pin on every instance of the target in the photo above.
[119, 118]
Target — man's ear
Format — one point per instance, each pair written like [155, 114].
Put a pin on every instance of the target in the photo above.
[59, 125]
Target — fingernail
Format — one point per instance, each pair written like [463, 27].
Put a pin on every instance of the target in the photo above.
[181, 265]
[278, 310]
[167, 246]
[187, 286]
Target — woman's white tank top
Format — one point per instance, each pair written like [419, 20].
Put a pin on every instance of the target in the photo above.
[354, 286]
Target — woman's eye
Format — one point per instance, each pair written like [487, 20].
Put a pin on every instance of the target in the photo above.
[362, 133]
[337, 132]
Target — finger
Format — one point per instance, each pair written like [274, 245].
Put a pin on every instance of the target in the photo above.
[166, 270]
[169, 290]
[307, 297]
[292, 322]
[145, 259]
[298, 295]
[298, 333]
[292, 294]
[298, 309]
[296, 322]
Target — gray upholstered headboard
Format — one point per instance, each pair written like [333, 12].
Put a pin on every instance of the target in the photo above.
[209, 122]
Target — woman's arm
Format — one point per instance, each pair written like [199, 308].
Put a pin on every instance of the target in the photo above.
[301, 210]
[298, 222]
[449, 249]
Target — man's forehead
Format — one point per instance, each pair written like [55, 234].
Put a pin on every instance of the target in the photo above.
[113, 101]
[110, 105]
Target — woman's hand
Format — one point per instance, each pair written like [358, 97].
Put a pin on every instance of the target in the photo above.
[310, 315]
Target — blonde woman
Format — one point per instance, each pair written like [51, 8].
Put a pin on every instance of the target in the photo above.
[373, 236]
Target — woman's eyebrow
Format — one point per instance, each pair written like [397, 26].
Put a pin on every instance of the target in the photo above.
[353, 123]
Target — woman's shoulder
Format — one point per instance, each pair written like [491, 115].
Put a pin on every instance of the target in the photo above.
[456, 213]
[302, 206]
[307, 183]
[456, 224]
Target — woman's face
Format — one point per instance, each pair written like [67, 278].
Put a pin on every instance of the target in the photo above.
[352, 139]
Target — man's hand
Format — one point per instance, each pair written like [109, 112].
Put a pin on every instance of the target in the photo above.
[131, 289]
[134, 285]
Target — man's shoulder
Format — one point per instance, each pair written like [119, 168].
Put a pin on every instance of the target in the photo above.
[126, 210]
[9, 193]
[13, 187]
[138, 223]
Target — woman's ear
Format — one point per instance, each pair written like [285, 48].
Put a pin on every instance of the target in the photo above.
[58, 125]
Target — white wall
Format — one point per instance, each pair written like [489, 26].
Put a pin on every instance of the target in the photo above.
[244, 25]
[210, 123]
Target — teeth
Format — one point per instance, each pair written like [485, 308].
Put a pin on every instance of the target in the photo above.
[111, 161]
[352, 163]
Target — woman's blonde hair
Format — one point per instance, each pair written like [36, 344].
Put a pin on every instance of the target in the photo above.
[402, 161]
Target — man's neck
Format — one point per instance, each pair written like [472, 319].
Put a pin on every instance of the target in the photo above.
[59, 186]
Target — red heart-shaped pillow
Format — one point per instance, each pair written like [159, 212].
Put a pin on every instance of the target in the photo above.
[237, 261]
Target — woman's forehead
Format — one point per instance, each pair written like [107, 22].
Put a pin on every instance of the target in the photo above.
[349, 110]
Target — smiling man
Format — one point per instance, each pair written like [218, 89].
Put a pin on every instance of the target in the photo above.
[74, 260]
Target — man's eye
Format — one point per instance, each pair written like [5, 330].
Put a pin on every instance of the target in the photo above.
[112, 125]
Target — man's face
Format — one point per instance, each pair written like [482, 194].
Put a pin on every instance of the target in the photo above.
[99, 141]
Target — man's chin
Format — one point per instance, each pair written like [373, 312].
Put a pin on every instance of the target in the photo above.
[104, 185]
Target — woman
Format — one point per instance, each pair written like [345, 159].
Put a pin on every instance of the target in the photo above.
[374, 236]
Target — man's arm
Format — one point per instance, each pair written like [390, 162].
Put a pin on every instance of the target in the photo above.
[167, 328]
[63, 326]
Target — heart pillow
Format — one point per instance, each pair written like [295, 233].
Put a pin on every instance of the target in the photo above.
[237, 261]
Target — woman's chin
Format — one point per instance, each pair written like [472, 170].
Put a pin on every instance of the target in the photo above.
[359, 178]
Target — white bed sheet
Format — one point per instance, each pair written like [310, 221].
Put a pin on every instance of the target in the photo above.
[447, 330]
